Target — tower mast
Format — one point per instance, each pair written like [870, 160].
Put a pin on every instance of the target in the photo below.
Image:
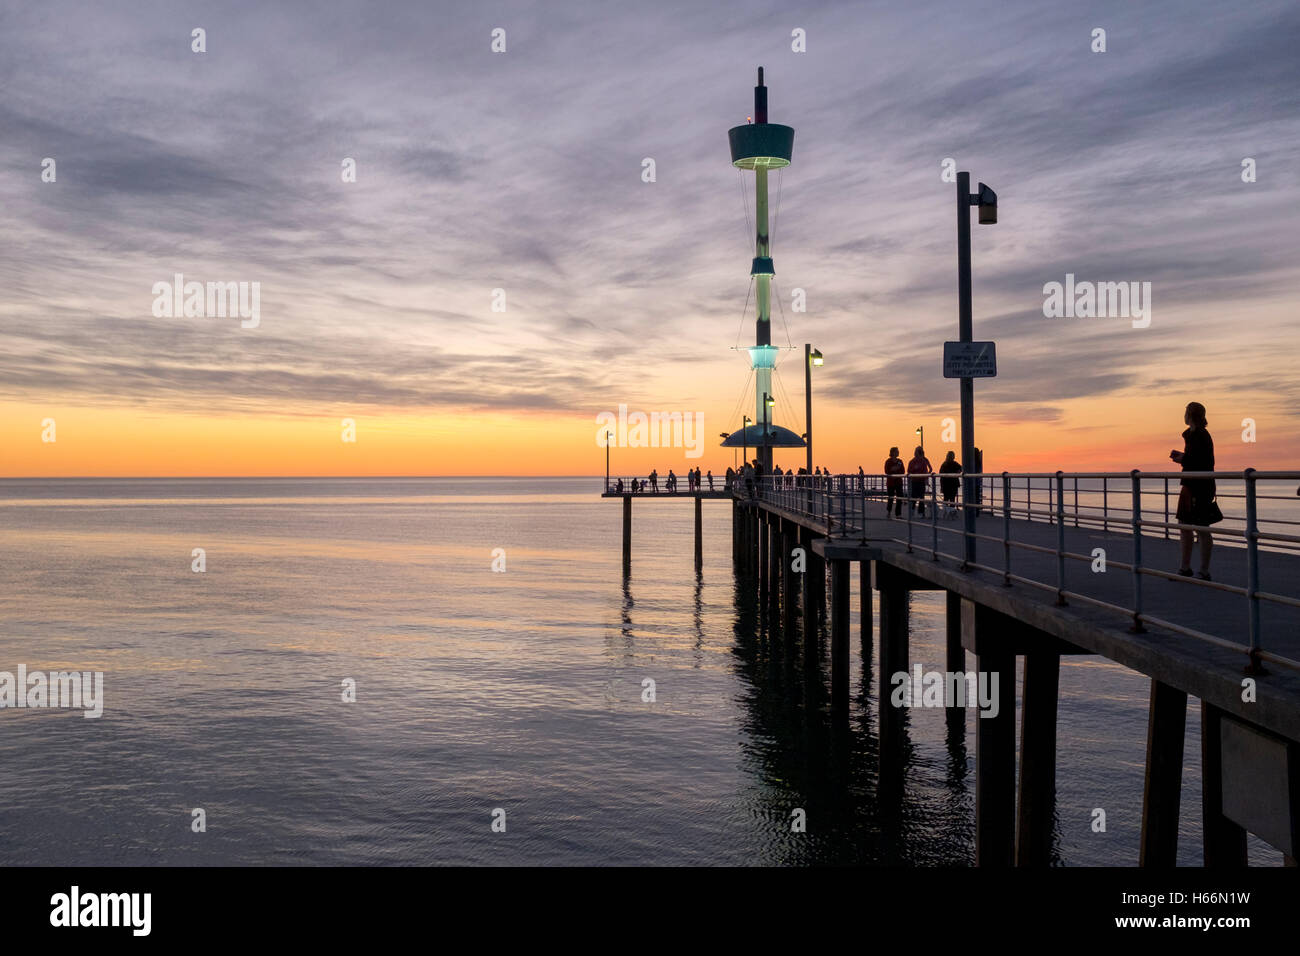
[762, 146]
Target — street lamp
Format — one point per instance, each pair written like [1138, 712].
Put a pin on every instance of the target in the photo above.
[607, 435]
[746, 421]
[987, 201]
[812, 357]
[768, 403]
[920, 430]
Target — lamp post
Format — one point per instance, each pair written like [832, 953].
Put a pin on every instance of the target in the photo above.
[607, 434]
[987, 201]
[744, 436]
[920, 430]
[811, 357]
[768, 403]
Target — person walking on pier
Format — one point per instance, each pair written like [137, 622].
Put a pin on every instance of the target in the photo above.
[919, 465]
[949, 486]
[654, 480]
[894, 485]
[1196, 503]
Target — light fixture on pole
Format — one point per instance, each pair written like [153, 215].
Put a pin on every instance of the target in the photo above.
[920, 430]
[987, 201]
[607, 435]
[812, 357]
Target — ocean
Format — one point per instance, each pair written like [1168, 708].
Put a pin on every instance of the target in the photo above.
[500, 716]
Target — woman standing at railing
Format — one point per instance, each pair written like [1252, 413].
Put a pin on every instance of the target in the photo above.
[1196, 503]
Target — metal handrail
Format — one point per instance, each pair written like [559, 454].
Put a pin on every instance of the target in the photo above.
[838, 501]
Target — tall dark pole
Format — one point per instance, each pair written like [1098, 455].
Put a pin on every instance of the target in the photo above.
[607, 461]
[807, 398]
[965, 334]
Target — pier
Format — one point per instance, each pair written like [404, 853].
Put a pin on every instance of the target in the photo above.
[1033, 566]
[1065, 564]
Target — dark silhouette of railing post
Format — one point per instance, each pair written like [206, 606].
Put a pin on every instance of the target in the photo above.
[1006, 529]
[1060, 539]
[1252, 572]
[1136, 520]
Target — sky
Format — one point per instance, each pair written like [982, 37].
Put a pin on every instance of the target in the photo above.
[523, 171]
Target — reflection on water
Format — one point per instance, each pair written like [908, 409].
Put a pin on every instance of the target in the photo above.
[475, 690]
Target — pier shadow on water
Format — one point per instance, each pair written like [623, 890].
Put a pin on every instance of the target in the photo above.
[851, 781]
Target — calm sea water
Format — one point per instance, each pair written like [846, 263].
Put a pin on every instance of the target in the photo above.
[476, 690]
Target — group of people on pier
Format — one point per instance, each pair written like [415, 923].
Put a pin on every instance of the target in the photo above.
[908, 483]
[650, 484]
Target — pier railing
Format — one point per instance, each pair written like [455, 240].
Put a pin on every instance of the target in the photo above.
[1014, 507]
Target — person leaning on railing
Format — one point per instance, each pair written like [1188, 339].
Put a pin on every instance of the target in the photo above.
[1196, 504]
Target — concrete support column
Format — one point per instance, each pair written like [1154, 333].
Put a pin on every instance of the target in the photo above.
[809, 605]
[995, 739]
[956, 653]
[864, 610]
[895, 625]
[774, 573]
[1037, 755]
[818, 566]
[791, 578]
[1225, 841]
[699, 533]
[840, 638]
[1162, 793]
[627, 535]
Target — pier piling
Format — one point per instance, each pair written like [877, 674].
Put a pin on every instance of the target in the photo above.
[1037, 755]
[627, 535]
[1162, 792]
[840, 638]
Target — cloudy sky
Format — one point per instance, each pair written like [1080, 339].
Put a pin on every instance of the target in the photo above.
[522, 171]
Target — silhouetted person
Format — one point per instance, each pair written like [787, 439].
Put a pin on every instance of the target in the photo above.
[919, 465]
[893, 485]
[949, 486]
[1196, 497]
[654, 480]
